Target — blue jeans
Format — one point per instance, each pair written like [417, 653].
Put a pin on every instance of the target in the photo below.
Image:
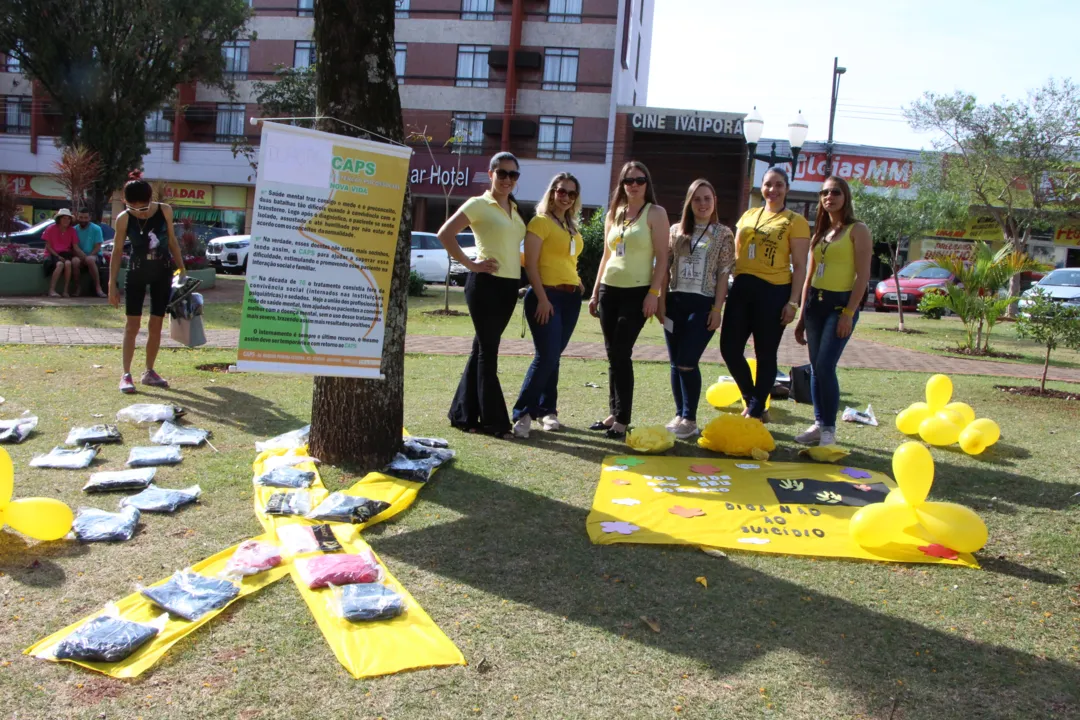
[689, 316]
[822, 315]
[539, 394]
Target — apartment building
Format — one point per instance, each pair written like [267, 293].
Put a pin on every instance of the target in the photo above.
[540, 78]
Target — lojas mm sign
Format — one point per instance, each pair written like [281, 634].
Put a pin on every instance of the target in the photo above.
[875, 171]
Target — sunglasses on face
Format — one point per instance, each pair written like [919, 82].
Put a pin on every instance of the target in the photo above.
[138, 209]
[640, 180]
[572, 194]
[503, 174]
[837, 192]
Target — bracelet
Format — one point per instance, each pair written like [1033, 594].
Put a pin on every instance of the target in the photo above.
[793, 305]
[849, 313]
[654, 292]
[715, 309]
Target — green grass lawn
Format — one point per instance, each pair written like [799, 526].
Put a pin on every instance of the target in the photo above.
[495, 550]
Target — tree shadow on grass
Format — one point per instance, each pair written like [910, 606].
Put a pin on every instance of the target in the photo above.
[29, 562]
[245, 411]
[534, 550]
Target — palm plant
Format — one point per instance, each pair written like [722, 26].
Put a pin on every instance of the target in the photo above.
[77, 170]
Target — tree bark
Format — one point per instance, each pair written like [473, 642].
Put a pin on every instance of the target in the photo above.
[358, 421]
[1046, 366]
[896, 282]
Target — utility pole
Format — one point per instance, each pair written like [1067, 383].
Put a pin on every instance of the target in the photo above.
[837, 71]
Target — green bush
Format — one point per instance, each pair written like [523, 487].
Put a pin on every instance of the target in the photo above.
[416, 284]
[1049, 323]
[592, 250]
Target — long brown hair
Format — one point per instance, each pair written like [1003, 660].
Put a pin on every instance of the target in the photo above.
[824, 222]
[546, 204]
[687, 222]
[618, 195]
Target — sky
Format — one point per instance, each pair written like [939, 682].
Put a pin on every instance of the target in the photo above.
[729, 56]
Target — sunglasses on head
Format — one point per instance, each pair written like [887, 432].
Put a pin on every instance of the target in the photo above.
[572, 194]
[503, 174]
[640, 180]
[826, 192]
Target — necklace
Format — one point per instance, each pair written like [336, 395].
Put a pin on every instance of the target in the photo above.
[625, 225]
[694, 243]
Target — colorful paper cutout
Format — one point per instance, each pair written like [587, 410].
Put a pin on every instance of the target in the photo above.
[705, 469]
[626, 501]
[747, 466]
[615, 468]
[685, 511]
[629, 462]
[620, 481]
[619, 526]
[855, 473]
[702, 581]
[936, 550]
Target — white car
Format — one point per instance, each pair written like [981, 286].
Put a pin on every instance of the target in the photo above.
[1062, 285]
[430, 259]
[229, 253]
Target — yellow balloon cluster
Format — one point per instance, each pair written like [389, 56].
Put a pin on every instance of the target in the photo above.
[40, 518]
[726, 393]
[650, 439]
[906, 509]
[940, 422]
[737, 435]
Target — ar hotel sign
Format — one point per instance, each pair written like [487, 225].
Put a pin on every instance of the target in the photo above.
[686, 122]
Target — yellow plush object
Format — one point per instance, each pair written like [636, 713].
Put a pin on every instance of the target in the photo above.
[736, 435]
[827, 454]
[650, 439]
[37, 517]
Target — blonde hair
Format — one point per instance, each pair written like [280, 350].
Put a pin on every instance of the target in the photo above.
[573, 215]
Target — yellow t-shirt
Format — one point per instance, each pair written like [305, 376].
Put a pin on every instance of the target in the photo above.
[834, 267]
[763, 243]
[632, 264]
[498, 234]
[558, 251]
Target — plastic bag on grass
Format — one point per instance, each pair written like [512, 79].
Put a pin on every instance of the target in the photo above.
[251, 557]
[415, 470]
[189, 595]
[286, 441]
[150, 456]
[428, 442]
[93, 525]
[319, 571]
[113, 480]
[289, 459]
[155, 499]
[94, 434]
[66, 458]
[300, 539]
[863, 418]
[286, 477]
[288, 503]
[414, 450]
[106, 638]
[339, 507]
[170, 434]
[147, 413]
[361, 602]
[15, 431]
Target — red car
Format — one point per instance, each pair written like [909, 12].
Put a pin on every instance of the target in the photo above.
[915, 279]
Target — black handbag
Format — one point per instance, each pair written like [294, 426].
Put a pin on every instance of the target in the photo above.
[800, 384]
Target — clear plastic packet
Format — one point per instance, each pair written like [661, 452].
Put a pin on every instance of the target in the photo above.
[288, 503]
[418, 451]
[289, 459]
[339, 507]
[170, 434]
[286, 441]
[155, 499]
[17, 430]
[362, 602]
[250, 558]
[105, 638]
[93, 525]
[189, 595]
[94, 434]
[158, 455]
[300, 539]
[415, 470]
[66, 458]
[286, 477]
[115, 480]
[319, 571]
[863, 418]
[428, 442]
[148, 413]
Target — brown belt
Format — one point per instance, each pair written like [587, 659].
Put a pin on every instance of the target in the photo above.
[564, 288]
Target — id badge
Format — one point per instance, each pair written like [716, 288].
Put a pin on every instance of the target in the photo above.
[620, 249]
[820, 270]
[751, 252]
[573, 247]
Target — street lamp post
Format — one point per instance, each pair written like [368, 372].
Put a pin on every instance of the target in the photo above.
[837, 71]
[753, 126]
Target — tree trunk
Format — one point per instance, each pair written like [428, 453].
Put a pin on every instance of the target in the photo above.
[978, 336]
[446, 287]
[1046, 366]
[359, 421]
[896, 282]
[1016, 281]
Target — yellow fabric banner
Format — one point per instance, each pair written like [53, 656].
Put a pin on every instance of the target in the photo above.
[760, 506]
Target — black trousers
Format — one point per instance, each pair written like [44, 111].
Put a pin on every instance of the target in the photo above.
[621, 320]
[753, 308]
[479, 403]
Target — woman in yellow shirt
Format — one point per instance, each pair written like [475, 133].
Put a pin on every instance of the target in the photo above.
[627, 292]
[553, 303]
[770, 265]
[490, 293]
[835, 288]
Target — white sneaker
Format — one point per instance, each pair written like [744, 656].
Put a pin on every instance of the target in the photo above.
[551, 423]
[674, 424]
[809, 436]
[828, 437]
[685, 430]
[522, 426]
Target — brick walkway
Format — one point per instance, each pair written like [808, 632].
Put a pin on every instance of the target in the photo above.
[859, 353]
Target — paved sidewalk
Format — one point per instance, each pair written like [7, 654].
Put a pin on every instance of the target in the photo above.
[858, 354]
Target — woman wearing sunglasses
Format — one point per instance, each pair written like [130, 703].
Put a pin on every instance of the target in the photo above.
[839, 271]
[631, 275]
[553, 302]
[491, 292]
[702, 253]
[148, 226]
[770, 266]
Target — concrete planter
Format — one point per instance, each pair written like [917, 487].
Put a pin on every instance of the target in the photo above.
[28, 279]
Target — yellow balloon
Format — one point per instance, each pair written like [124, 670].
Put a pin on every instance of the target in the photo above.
[938, 391]
[952, 416]
[879, 524]
[722, 394]
[909, 420]
[967, 413]
[938, 431]
[913, 469]
[7, 479]
[989, 428]
[973, 441]
[895, 497]
[40, 518]
[955, 526]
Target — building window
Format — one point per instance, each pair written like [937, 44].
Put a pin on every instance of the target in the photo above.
[158, 126]
[17, 115]
[477, 9]
[564, 11]
[401, 8]
[230, 123]
[556, 135]
[469, 133]
[472, 65]
[303, 54]
[399, 61]
[637, 60]
[305, 8]
[12, 64]
[236, 59]
[560, 69]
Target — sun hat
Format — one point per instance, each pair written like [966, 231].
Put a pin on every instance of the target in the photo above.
[62, 212]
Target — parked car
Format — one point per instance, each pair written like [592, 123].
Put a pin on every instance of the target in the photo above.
[17, 225]
[1062, 285]
[229, 253]
[915, 280]
[467, 241]
[31, 237]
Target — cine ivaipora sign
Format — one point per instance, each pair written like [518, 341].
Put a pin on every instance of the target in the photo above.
[323, 238]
